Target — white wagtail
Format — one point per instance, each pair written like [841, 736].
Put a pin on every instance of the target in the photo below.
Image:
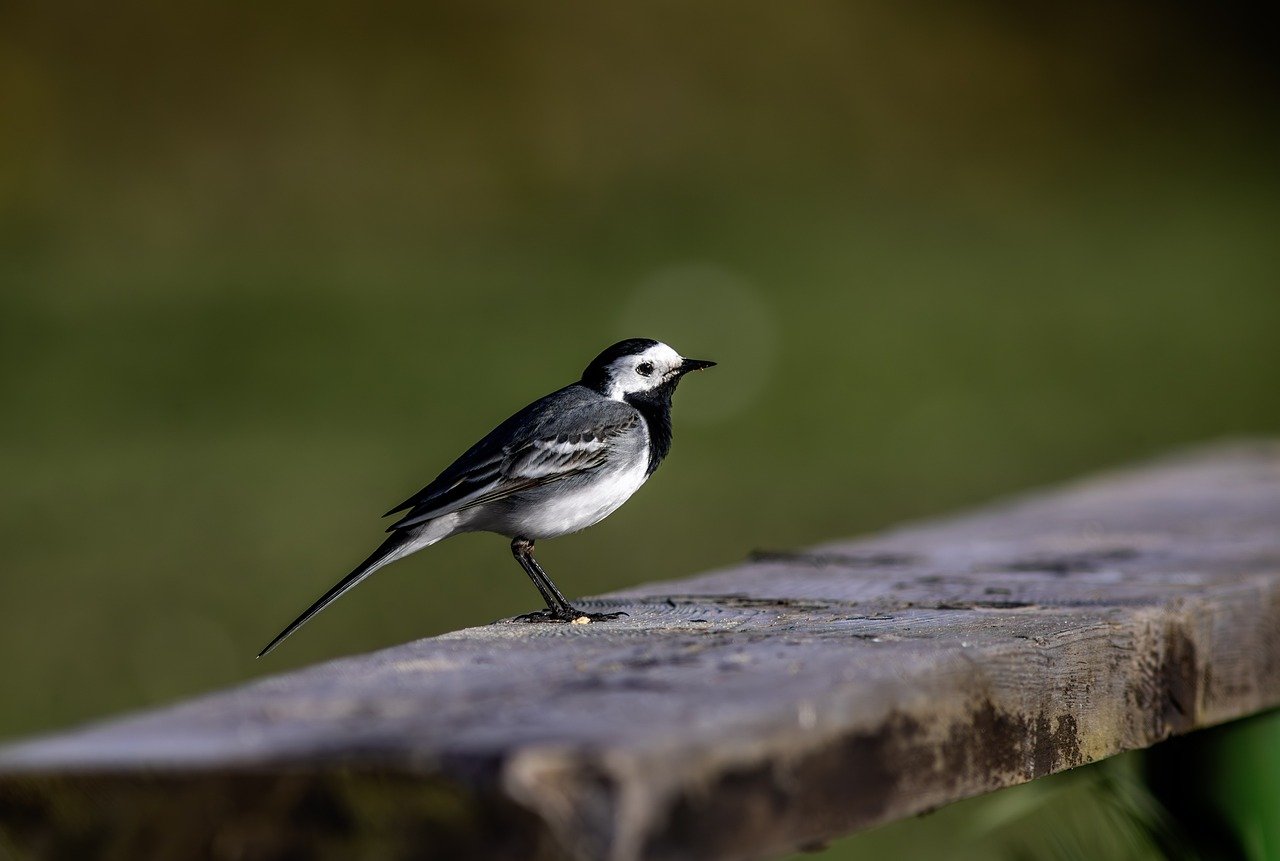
[563, 463]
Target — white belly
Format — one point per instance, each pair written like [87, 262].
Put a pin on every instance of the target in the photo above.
[568, 508]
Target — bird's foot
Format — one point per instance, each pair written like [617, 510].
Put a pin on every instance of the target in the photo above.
[569, 615]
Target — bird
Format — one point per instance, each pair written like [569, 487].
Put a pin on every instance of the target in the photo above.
[563, 463]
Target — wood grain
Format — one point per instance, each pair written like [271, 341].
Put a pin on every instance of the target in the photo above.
[738, 714]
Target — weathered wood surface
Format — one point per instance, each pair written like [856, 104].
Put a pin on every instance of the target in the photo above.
[738, 714]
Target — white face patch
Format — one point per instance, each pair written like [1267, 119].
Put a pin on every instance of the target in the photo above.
[626, 375]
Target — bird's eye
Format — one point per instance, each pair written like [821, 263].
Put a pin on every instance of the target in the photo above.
[644, 369]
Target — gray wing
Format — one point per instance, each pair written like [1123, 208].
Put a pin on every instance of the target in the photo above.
[545, 443]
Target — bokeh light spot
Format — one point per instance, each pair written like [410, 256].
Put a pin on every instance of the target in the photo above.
[707, 312]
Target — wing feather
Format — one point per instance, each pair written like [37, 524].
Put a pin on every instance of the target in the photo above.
[521, 466]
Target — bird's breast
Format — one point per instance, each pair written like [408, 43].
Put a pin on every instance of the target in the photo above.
[576, 503]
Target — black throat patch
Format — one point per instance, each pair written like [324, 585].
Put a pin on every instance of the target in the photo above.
[655, 406]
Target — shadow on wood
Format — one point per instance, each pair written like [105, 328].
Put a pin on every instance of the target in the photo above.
[738, 714]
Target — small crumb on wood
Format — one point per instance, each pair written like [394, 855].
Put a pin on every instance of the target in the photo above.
[582, 620]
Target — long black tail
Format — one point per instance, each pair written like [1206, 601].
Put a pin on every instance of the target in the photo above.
[384, 554]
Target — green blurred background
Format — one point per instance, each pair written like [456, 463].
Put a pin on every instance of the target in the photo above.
[265, 269]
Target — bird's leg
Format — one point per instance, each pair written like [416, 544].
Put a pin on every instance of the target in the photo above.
[522, 549]
[558, 607]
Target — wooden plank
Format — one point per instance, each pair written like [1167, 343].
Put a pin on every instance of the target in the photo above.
[738, 714]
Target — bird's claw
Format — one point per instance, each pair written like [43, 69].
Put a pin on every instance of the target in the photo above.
[570, 615]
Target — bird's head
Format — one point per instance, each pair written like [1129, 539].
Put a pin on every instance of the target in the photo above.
[639, 368]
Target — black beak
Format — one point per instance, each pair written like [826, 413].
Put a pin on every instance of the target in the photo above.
[695, 365]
